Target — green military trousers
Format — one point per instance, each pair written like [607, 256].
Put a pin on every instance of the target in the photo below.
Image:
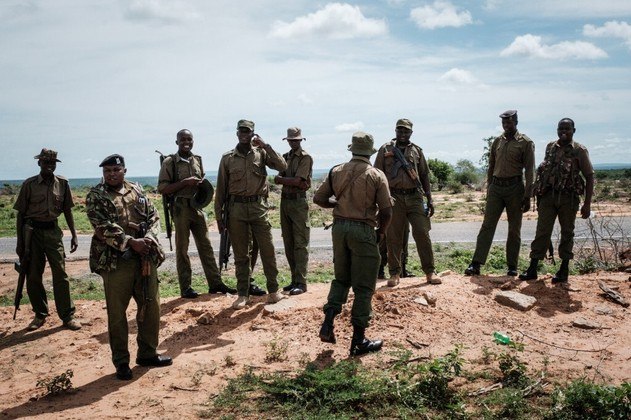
[356, 264]
[408, 208]
[552, 205]
[188, 220]
[246, 220]
[122, 284]
[46, 244]
[499, 198]
[294, 223]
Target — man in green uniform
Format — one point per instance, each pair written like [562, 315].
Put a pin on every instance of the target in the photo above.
[242, 191]
[565, 174]
[294, 210]
[41, 200]
[408, 202]
[125, 252]
[181, 175]
[512, 157]
[361, 203]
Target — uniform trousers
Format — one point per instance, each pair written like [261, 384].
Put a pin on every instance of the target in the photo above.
[552, 205]
[294, 223]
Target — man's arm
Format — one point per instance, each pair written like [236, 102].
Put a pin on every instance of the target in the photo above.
[529, 171]
[489, 172]
[589, 192]
[74, 242]
[295, 181]
[385, 217]
[221, 193]
[19, 230]
[323, 194]
[273, 159]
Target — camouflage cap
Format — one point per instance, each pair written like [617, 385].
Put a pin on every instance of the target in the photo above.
[47, 154]
[294, 133]
[405, 123]
[509, 113]
[112, 160]
[204, 194]
[245, 124]
[362, 144]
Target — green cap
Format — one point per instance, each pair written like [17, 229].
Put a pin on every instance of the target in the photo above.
[203, 195]
[245, 124]
[47, 154]
[362, 144]
[405, 123]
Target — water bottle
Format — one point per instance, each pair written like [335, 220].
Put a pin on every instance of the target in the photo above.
[501, 338]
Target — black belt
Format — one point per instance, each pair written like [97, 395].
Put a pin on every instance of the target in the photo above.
[403, 191]
[246, 198]
[505, 182]
[293, 196]
[349, 221]
[43, 225]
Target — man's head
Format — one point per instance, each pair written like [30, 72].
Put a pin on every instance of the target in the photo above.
[245, 131]
[294, 137]
[113, 170]
[184, 141]
[403, 130]
[362, 144]
[566, 130]
[509, 121]
[47, 161]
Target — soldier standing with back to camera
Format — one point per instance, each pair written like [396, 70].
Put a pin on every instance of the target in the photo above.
[182, 175]
[294, 210]
[512, 156]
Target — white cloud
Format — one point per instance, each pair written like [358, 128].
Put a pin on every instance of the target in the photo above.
[335, 20]
[611, 29]
[163, 11]
[530, 45]
[441, 14]
[347, 127]
[458, 76]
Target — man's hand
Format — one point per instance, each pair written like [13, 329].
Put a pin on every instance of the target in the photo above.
[220, 226]
[586, 210]
[258, 141]
[191, 181]
[74, 244]
[141, 245]
[525, 204]
[430, 208]
[20, 251]
[277, 179]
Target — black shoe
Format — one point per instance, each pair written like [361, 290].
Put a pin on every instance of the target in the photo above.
[527, 275]
[123, 372]
[298, 290]
[157, 361]
[221, 288]
[326, 332]
[289, 287]
[365, 346]
[189, 293]
[472, 270]
[406, 273]
[256, 291]
[512, 272]
[382, 273]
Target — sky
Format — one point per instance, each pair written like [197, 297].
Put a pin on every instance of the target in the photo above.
[92, 78]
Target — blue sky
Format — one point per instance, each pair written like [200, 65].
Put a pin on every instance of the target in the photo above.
[91, 78]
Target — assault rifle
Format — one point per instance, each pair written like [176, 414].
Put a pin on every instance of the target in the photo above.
[145, 266]
[167, 206]
[224, 243]
[22, 267]
[401, 162]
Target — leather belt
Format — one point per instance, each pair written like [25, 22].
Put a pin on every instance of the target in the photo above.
[43, 225]
[505, 182]
[246, 198]
[403, 191]
[293, 196]
[349, 221]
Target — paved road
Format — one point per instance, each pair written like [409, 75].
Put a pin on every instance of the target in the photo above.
[460, 232]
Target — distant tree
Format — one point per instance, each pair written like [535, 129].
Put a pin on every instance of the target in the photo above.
[484, 160]
[466, 172]
[443, 171]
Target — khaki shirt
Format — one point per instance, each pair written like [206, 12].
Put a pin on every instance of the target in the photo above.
[185, 168]
[386, 161]
[245, 175]
[299, 165]
[43, 200]
[363, 198]
[510, 158]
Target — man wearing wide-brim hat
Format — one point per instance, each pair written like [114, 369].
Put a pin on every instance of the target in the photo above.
[41, 200]
[362, 209]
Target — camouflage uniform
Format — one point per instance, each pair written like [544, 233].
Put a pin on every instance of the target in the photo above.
[116, 217]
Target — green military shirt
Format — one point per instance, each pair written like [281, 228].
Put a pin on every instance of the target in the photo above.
[43, 200]
[299, 165]
[184, 168]
[399, 178]
[509, 158]
[360, 189]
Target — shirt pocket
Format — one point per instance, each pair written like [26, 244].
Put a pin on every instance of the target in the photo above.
[236, 173]
[37, 199]
[515, 153]
[259, 169]
[58, 202]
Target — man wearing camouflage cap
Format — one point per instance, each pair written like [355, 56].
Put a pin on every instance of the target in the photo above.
[409, 206]
[358, 194]
[181, 176]
[242, 192]
[511, 159]
[41, 200]
[294, 210]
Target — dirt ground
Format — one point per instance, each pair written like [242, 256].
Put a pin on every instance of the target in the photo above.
[207, 354]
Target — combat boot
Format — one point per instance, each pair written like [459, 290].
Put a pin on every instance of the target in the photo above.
[531, 272]
[563, 273]
[326, 331]
[361, 345]
[473, 269]
[382, 272]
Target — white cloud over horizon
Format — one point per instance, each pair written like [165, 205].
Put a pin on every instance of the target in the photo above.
[531, 46]
[611, 29]
[440, 14]
[350, 127]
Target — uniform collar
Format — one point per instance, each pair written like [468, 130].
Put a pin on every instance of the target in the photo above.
[571, 144]
[361, 158]
[42, 180]
[298, 152]
[518, 136]
[179, 158]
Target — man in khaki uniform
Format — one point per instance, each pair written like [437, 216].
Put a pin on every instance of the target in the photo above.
[181, 175]
[358, 194]
[409, 206]
[41, 200]
[242, 192]
[565, 174]
[294, 210]
[512, 156]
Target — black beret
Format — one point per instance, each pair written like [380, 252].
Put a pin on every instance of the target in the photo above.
[114, 159]
[509, 113]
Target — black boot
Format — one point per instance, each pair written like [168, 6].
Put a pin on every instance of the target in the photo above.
[326, 331]
[404, 270]
[531, 271]
[563, 273]
[473, 269]
[361, 345]
[382, 272]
